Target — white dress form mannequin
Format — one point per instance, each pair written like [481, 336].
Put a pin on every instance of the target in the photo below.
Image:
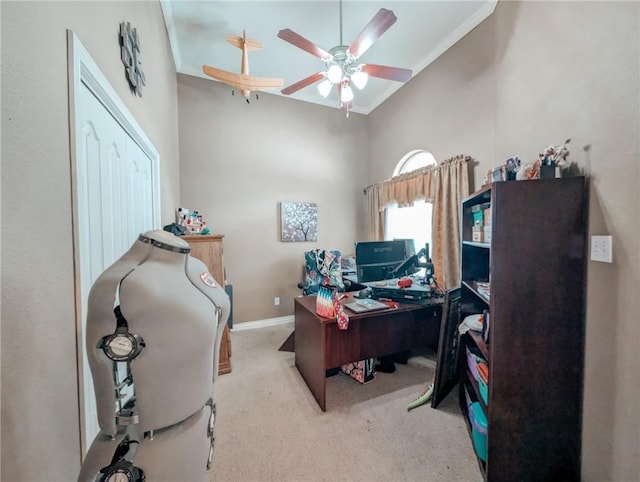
[160, 290]
[180, 453]
[173, 373]
[100, 322]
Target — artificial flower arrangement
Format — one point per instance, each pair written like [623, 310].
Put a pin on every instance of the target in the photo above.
[548, 164]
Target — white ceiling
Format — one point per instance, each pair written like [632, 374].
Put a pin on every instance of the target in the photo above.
[424, 30]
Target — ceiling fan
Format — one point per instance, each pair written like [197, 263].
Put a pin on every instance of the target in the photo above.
[342, 67]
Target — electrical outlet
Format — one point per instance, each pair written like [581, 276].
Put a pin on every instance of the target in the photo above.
[276, 301]
[601, 249]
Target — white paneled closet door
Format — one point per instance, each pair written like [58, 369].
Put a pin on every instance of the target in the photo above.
[116, 190]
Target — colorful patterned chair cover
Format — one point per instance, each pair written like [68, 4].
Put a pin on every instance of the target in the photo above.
[322, 266]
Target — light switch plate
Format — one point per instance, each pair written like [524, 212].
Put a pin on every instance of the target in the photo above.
[601, 249]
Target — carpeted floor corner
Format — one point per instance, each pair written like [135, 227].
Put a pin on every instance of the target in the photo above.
[270, 428]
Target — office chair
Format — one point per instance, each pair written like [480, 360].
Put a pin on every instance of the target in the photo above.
[324, 266]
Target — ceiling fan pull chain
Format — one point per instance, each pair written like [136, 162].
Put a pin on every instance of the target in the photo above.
[340, 22]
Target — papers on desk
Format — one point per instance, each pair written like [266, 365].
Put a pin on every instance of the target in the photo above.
[364, 305]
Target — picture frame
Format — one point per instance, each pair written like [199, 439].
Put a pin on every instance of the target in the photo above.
[298, 221]
[448, 343]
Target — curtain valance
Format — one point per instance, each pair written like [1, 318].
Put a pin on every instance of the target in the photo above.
[421, 183]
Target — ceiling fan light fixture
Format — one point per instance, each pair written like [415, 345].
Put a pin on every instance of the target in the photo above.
[359, 79]
[334, 73]
[324, 88]
[341, 62]
[346, 93]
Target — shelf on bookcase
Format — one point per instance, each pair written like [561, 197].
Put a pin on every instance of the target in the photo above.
[476, 244]
[473, 286]
[482, 346]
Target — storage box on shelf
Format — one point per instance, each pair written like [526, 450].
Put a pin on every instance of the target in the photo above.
[527, 274]
[474, 359]
[478, 224]
[478, 421]
[483, 381]
[487, 223]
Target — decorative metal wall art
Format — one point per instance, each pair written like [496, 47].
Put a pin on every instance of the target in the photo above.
[130, 53]
[299, 221]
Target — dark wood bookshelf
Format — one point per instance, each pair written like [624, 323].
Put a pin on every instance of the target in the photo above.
[535, 264]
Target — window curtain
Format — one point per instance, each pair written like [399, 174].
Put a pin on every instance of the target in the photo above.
[375, 215]
[444, 185]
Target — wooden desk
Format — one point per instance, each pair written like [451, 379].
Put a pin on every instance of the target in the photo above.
[320, 345]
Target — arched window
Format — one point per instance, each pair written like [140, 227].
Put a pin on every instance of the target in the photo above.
[414, 160]
[411, 222]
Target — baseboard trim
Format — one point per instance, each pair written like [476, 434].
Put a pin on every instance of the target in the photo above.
[251, 325]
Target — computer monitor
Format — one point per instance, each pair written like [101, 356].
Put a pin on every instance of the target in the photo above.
[377, 260]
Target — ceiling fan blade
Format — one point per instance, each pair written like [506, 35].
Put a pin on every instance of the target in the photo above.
[302, 43]
[378, 25]
[388, 73]
[301, 84]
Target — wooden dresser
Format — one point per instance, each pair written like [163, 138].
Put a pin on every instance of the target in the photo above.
[209, 250]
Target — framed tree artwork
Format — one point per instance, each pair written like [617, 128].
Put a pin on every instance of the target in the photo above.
[298, 221]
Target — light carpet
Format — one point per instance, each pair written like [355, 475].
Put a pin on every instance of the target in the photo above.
[270, 427]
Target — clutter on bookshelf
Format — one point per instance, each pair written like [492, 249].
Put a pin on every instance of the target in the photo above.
[504, 172]
[481, 219]
[549, 163]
